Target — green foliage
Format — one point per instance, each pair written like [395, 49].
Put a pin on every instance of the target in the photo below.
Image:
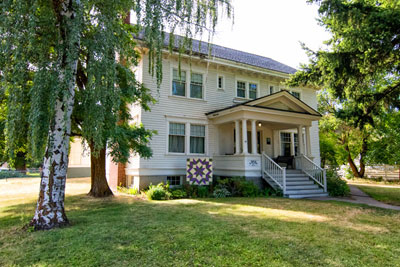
[238, 187]
[221, 192]
[12, 174]
[178, 193]
[158, 192]
[360, 70]
[336, 186]
[130, 191]
[202, 191]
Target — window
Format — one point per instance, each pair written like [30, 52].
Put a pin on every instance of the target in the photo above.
[221, 82]
[296, 144]
[179, 83]
[241, 89]
[252, 90]
[174, 180]
[295, 94]
[176, 138]
[271, 90]
[285, 144]
[196, 85]
[197, 139]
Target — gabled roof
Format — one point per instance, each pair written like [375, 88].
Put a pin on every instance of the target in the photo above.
[280, 101]
[202, 48]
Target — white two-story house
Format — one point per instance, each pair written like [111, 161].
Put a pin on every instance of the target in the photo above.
[232, 107]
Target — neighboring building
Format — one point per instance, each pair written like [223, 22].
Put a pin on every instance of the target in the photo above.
[232, 107]
[78, 160]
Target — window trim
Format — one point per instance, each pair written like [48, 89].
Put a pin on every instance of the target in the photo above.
[187, 122]
[189, 71]
[223, 82]
[190, 135]
[190, 85]
[180, 180]
[247, 81]
[184, 140]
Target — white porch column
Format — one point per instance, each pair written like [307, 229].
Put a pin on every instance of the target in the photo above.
[244, 136]
[308, 141]
[300, 136]
[253, 137]
[237, 137]
[292, 150]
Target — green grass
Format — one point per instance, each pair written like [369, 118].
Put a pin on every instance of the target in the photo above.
[389, 195]
[124, 231]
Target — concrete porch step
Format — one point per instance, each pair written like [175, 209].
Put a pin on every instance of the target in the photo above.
[304, 191]
[305, 182]
[309, 195]
[301, 187]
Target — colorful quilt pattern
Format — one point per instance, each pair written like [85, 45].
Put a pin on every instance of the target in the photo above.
[199, 171]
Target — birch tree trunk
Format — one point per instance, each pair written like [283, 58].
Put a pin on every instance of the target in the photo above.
[50, 211]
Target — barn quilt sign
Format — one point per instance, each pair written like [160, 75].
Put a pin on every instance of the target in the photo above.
[199, 171]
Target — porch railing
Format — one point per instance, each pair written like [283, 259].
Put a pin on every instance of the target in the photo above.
[275, 172]
[312, 170]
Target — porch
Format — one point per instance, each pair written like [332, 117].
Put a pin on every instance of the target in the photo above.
[253, 134]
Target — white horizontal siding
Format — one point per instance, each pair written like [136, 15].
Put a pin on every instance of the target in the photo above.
[169, 107]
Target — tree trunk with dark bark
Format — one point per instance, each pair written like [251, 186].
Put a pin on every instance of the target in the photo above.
[99, 185]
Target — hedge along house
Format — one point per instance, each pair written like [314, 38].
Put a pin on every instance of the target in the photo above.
[229, 106]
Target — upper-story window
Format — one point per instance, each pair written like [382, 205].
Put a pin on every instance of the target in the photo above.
[252, 90]
[196, 85]
[271, 89]
[295, 94]
[179, 83]
[220, 82]
[241, 89]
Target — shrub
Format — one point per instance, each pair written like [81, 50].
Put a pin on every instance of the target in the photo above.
[221, 192]
[158, 192]
[130, 191]
[12, 174]
[178, 193]
[202, 191]
[239, 187]
[336, 186]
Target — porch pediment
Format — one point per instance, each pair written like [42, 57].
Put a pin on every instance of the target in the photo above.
[281, 104]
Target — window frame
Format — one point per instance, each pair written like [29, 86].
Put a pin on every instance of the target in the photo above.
[285, 142]
[174, 176]
[188, 80]
[187, 122]
[184, 139]
[190, 85]
[223, 82]
[172, 81]
[255, 92]
[247, 83]
[190, 136]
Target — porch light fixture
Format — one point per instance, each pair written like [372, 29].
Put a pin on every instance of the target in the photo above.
[259, 124]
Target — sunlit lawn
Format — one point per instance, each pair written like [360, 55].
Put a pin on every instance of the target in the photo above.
[123, 231]
[389, 195]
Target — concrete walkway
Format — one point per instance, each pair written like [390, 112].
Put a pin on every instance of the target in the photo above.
[359, 197]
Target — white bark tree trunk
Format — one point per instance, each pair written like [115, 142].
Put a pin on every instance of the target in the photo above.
[50, 211]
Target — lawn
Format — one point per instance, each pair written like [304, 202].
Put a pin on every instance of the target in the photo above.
[386, 194]
[124, 231]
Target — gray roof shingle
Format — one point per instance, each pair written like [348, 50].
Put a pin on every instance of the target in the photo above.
[222, 52]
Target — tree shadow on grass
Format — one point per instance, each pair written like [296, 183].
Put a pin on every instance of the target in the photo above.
[124, 231]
